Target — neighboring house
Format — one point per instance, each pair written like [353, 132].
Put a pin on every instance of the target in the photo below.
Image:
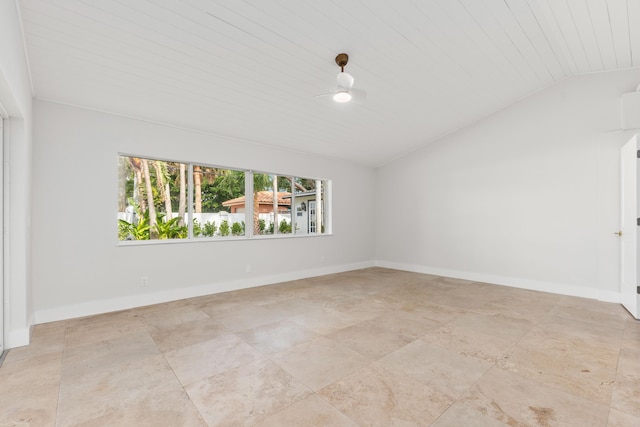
[265, 202]
[305, 211]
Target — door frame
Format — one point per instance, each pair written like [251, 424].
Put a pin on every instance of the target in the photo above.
[3, 312]
[629, 213]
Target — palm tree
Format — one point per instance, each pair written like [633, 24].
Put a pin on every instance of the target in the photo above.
[197, 187]
[261, 181]
[162, 183]
[150, 205]
[136, 165]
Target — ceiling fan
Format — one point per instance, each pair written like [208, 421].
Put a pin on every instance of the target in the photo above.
[344, 91]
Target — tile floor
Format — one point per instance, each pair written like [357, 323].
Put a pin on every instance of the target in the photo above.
[373, 347]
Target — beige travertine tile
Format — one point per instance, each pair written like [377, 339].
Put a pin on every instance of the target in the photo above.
[456, 299]
[104, 327]
[631, 335]
[322, 320]
[453, 281]
[20, 376]
[136, 393]
[377, 396]
[171, 316]
[592, 311]
[37, 409]
[172, 336]
[217, 303]
[577, 365]
[29, 390]
[319, 362]
[532, 306]
[275, 337]
[151, 311]
[328, 296]
[626, 389]
[290, 308]
[81, 359]
[108, 370]
[409, 324]
[443, 370]
[585, 330]
[270, 294]
[474, 334]
[202, 360]
[246, 395]
[462, 415]
[439, 313]
[370, 339]
[46, 339]
[310, 412]
[519, 401]
[244, 317]
[362, 310]
[152, 412]
[620, 419]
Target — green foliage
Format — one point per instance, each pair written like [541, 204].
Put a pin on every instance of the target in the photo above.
[139, 229]
[197, 229]
[228, 184]
[128, 231]
[284, 227]
[209, 229]
[262, 225]
[262, 181]
[170, 229]
[224, 228]
[237, 229]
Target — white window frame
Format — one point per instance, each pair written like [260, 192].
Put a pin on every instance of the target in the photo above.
[249, 233]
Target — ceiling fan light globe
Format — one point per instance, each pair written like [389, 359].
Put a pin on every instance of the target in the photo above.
[342, 96]
[345, 80]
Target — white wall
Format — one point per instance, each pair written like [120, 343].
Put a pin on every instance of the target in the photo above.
[78, 268]
[15, 97]
[528, 197]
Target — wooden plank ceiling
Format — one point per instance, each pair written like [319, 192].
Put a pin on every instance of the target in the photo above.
[252, 69]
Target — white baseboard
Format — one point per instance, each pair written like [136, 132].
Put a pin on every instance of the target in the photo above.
[610, 296]
[515, 282]
[18, 338]
[131, 301]
[21, 337]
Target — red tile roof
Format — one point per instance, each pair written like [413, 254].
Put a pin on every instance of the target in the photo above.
[264, 198]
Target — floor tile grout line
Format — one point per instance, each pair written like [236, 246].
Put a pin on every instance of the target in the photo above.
[62, 358]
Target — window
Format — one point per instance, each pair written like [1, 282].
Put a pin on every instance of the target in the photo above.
[307, 195]
[167, 200]
[218, 207]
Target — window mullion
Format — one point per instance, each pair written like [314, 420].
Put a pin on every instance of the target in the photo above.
[190, 197]
[293, 211]
[248, 204]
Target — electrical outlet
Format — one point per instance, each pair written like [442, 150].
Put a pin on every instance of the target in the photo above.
[144, 281]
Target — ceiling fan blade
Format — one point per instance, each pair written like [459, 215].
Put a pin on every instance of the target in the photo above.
[358, 95]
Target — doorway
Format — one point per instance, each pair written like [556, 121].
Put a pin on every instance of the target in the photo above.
[629, 226]
[2, 346]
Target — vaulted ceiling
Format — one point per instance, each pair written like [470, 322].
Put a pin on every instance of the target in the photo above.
[251, 69]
